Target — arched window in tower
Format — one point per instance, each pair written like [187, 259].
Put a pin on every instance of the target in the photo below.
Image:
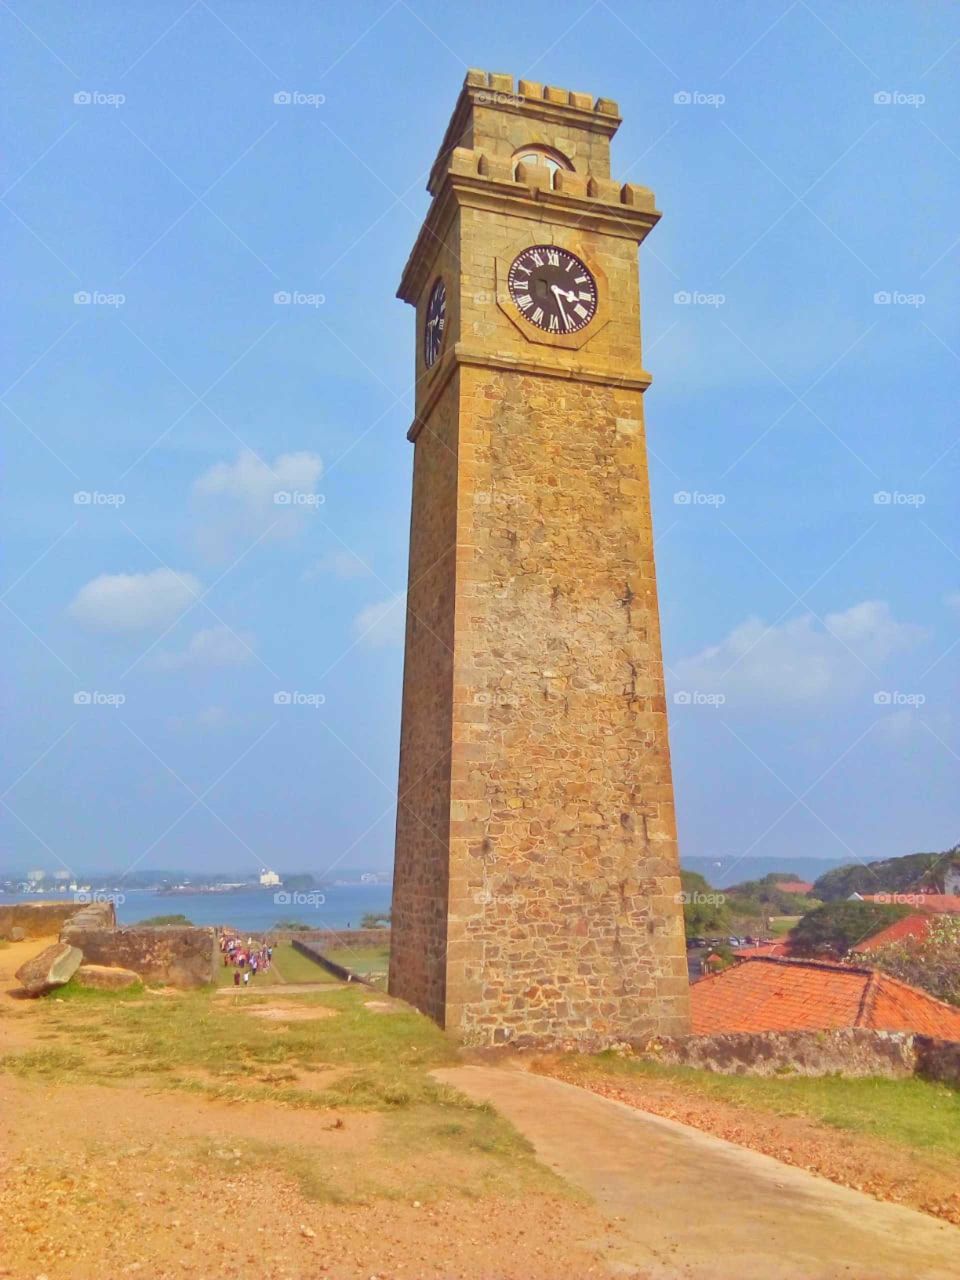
[554, 160]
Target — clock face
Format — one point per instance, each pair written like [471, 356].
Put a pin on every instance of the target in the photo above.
[435, 322]
[553, 289]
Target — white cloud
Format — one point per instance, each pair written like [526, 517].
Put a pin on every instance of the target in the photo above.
[134, 601]
[340, 564]
[212, 647]
[382, 624]
[800, 662]
[250, 498]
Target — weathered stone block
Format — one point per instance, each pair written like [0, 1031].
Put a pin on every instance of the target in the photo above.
[53, 967]
[103, 977]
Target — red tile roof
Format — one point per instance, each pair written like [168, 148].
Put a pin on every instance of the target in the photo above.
[938, 903]
[917, 926]
[794, 886]
[783, 948]
[778, 994]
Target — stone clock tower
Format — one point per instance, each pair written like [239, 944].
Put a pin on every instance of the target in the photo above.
[536, 890]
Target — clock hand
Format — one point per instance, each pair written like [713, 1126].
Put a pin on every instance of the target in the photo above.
[558, 294]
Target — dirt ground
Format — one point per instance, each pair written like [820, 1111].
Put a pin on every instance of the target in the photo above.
[130, 1177]
[850, 1159]
[98, 1182]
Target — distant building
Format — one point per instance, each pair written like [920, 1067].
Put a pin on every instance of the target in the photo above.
[269, 879]
[794, 886]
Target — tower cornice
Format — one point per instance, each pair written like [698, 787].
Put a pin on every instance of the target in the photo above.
[474, 179]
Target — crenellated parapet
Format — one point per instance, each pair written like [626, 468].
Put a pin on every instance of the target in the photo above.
[533, 91]
[498, 115]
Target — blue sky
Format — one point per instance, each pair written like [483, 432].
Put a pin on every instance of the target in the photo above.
[808, 627]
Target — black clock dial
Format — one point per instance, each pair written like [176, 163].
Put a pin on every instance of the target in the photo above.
[553, 289]
[435, 322]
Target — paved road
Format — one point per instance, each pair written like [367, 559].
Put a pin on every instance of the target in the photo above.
[695, 1207]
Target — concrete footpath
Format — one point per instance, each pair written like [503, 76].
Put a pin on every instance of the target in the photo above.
[694, 1207]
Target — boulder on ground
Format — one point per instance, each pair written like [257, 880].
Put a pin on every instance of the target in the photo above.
[105, 977]
[53, 967]
[17, 934]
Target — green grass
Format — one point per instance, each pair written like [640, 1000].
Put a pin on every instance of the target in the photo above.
[50, 1065]
[916, 1114]
[363, 961]
[203, 1043]
[369, 962]
[294, 966]
[780, 926]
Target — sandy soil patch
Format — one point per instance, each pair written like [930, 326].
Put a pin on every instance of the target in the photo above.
[99, 1182]
[290, 1013]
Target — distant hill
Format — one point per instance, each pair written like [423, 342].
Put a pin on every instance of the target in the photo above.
[722, 872]
[886, 875]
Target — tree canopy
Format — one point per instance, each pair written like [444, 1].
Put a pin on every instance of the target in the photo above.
[931, 962]
[704, 908]
[831, 930]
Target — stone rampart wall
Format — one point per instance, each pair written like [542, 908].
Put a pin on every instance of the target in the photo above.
[853, 1051]
[173, 956]
[46, 919]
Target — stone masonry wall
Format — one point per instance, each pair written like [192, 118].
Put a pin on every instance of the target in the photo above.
[46, 919]
[419, 912]
[848, 1051]
[938, 1060]
[176, 957]
[564, 920]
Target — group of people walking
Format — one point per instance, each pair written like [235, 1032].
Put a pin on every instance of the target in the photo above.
[248, 958]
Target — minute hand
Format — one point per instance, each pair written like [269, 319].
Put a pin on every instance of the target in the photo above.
[560, 294]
